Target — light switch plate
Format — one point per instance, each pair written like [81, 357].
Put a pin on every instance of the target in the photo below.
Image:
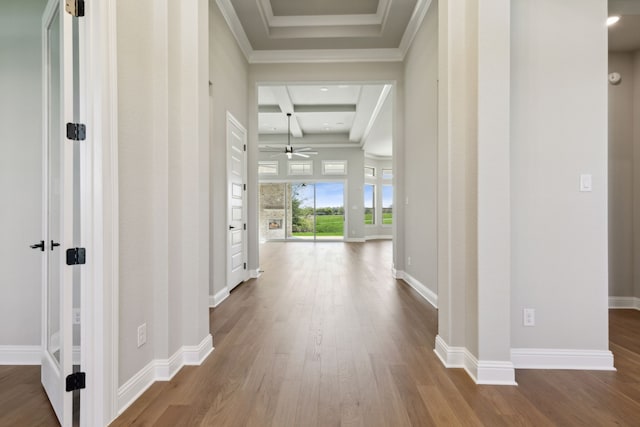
[586, 183]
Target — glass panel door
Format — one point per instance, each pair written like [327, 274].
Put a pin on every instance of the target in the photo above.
[329, 211]
[302, 199]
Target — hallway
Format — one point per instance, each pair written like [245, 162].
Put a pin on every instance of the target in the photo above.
[326, 337]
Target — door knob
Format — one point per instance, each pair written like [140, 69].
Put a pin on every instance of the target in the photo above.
[38, 245]
[53, 244]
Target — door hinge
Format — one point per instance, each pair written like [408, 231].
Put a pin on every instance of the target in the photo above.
[244, 147]
[76, 256]
[245, 265]
[245, 187]
[76, 131]
[76, 381]
[74, 7]
[245, 226]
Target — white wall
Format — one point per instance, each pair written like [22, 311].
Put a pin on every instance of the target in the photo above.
[621, 176]
[228, 73]
[20, 171]
[421, 153]
[559, 131]
[163, 178]
[384, 72]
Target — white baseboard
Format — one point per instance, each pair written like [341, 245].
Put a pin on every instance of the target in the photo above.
[624, 302]
[419, 287]
[481, 371]
[216, 300]
[254, 274]
[20, 354]
[544, 358]
[379, 237]
[162, 370]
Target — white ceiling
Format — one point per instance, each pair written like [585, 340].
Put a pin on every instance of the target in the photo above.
[336, 116]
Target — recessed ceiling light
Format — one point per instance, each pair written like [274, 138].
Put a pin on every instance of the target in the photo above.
[324, 89]
[612, 20]
[327, 128]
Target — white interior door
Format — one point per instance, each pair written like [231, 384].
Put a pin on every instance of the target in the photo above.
[58, 197]
[237, 209]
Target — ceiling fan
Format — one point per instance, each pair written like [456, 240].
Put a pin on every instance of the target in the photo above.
[289, 150]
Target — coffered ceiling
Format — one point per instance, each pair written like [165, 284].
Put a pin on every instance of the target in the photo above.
[327, 116]
[323, 30]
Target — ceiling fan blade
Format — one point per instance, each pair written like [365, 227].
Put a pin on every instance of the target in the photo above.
[301, 155]
[304, 149]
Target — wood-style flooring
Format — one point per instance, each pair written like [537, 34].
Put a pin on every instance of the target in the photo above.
[326, 337]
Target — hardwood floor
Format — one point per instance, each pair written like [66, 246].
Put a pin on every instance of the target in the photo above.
[326, 337]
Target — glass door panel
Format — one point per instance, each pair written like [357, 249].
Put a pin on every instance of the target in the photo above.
[302, 199]
[329, 210]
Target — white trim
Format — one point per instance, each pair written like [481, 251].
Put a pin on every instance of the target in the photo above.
[482, 372]
[378, 236]
[162, 370]
[325, 56]
[20, 355]
[221, 295]
[254, 274]
[545, 358]
[420, 11]
[418, 286]
[352, 240]
[229, 14]
[624, 302]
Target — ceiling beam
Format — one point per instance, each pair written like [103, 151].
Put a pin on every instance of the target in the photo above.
[281, 94]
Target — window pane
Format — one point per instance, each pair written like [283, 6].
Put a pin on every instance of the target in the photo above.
[387, 173]
[369, 204]
[337, 167]
[268, 168]
[369, 171]
[301, 168]
[387, 204]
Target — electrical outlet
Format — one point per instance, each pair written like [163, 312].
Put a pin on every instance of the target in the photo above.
[528, 317]
[142, 334]
[76, 316]
[408, 260]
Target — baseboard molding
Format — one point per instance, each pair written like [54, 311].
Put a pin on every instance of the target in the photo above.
[216, 300]
[624, 302]
[544, 358]
[162, 370]
[254, 274]
[20, 355]
[379, 237]
[418, 286]
[481, 371]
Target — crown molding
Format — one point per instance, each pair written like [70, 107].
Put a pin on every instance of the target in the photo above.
[322, 55]
[325, 55]
[230, 16]
[422, 6]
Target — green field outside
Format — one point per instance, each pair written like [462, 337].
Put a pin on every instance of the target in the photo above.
[387, 218]
[326, 225]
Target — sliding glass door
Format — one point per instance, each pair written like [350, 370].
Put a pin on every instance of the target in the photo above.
[302, 211]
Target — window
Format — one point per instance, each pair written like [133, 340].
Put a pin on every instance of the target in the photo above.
[369, 204]
[369, 171]
[387, 173]
[334, 167]
[301, 167]
[387, 204]
[268, 167]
